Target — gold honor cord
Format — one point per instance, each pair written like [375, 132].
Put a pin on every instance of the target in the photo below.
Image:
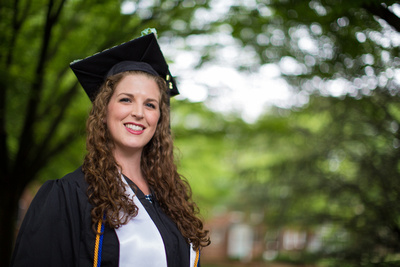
[98, 244]
[196, 261]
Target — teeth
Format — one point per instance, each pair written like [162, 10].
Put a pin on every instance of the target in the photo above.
[134, 127]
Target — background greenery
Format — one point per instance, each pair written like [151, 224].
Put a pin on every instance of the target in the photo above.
[334, 160]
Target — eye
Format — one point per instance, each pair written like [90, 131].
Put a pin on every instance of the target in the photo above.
[151, 105]
[125, 100]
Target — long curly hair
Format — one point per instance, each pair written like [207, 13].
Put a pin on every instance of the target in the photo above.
[106, 189]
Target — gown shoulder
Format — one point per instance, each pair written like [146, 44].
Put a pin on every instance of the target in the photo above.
[51, 232]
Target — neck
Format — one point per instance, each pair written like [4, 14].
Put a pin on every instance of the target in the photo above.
[130, 167]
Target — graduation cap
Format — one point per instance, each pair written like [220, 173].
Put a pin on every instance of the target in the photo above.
[142, 54]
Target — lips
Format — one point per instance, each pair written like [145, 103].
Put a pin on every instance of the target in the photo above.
[134, 127]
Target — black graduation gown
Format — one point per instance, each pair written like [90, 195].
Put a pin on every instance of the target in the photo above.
[57, 229]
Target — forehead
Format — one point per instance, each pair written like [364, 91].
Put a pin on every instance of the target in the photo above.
[138, 84]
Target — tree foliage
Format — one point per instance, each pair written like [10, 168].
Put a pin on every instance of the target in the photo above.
[336, 162]
[322, 40]
[42, 110]
[333, 161]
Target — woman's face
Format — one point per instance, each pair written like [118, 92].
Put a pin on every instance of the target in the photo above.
[133, 112]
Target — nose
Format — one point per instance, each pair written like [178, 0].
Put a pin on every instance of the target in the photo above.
[137, 112]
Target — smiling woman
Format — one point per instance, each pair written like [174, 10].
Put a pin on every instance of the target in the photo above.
[133, 113]
[127, 205]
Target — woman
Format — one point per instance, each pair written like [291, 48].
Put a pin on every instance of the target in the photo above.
[127, 205]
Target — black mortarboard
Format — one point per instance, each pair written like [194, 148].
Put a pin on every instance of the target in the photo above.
[142, 54]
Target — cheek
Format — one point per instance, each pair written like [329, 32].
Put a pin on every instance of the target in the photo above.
[116, 112]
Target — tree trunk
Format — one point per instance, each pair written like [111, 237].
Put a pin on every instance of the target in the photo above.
[9, 198]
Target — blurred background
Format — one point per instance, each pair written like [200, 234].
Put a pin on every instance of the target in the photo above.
[287, 126]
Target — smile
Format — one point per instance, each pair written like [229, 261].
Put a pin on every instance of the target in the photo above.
[134, 127]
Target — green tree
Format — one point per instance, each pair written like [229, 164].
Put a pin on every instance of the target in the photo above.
[336, 160]
[322, 39]
[42, 110]
[206, 140]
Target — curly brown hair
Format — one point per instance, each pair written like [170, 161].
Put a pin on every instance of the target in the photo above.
[106, 189]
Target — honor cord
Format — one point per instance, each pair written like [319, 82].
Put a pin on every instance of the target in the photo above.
[98, 244]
